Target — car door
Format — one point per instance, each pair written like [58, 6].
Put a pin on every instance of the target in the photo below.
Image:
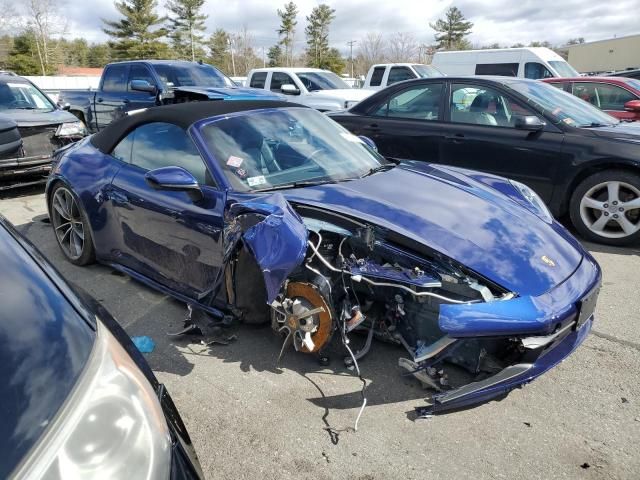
[110, 99]
[164, 235]
[136, 99]
[607, 97]
[407, 123]
[482, 135]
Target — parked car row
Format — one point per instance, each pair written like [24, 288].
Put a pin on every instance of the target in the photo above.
[400, 223]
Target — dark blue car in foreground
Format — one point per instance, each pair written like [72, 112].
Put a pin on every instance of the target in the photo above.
[77, 399]
[268, 211]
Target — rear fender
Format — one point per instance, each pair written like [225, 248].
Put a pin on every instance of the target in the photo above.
[274, 234]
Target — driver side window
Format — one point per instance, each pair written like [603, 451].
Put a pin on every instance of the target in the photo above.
[159, 144]
[480, 105]
[421, 102]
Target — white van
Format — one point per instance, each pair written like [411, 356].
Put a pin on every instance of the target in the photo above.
[530, 62]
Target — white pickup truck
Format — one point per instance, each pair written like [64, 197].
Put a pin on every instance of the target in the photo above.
[385, 74]
[319, 89]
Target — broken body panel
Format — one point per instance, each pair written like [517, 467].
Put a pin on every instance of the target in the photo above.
[449, 266]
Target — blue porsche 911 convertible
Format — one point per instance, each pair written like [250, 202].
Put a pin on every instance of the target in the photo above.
[271, 212]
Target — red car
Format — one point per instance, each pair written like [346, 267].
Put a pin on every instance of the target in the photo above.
[618, 96]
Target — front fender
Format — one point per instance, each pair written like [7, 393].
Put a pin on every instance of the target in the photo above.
[273, 232]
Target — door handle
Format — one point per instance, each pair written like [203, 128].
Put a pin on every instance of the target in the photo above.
[372, 128]
[456, 138]
[125, 101]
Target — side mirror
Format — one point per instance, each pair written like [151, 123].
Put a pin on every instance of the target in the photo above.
[368, 142]
[632, 106]
[528, 122]
[175, 179]
[66, 106]
[289, 89]
[142, 86]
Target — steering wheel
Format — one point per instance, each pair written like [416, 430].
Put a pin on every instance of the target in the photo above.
[314, 153]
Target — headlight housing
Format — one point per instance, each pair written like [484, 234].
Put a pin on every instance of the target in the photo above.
[72, 129]
[533, 201]
[111, 426]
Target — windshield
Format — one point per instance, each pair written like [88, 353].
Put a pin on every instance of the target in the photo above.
[563, 68]
[563, 106]
[632, 82]
[321, 81]
[279, 148]
[23, 96]
[192, 75]
[427, 71]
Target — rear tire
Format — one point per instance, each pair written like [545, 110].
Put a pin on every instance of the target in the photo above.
[605, 207]
[70, 226]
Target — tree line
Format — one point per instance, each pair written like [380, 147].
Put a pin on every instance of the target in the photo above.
[35, 40]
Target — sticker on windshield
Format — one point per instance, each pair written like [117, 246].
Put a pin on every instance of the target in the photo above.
[350, 137]
[255, 181]
[234, 161]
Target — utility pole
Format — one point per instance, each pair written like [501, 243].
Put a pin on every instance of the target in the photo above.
[264, 58]
[351, 44]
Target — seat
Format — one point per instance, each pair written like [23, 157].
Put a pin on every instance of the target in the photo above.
[261, 160]
[480, 109]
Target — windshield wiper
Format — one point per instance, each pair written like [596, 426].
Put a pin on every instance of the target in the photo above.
[379, 168]
[304, 183]
[596, 125]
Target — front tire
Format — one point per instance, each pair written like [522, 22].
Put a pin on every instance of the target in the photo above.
[605, 207]
[71, 227]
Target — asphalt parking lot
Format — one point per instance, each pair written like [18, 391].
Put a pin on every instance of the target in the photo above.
[249, 419]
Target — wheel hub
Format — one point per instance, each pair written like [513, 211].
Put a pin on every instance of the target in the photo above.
[303, 316]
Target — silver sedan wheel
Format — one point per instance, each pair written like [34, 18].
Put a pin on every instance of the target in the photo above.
[611, 209]
[67, 223]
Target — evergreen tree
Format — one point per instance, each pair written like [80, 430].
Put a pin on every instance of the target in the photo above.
[452, 30]
[138, 34]
[23, 58]
[275, 56]
[287, 30]
[186, 27]
[333, 61]
[99, 55]
[317, 32]
[219, 52]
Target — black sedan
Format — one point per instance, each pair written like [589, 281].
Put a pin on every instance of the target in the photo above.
[43, 128]
[77, 399]
[581, 161]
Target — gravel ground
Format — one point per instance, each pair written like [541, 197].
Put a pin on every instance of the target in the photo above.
[249, 419]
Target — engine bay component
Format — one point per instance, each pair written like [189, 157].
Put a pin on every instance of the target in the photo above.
[304, 316]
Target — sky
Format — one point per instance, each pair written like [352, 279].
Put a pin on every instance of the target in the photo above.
[503, 21]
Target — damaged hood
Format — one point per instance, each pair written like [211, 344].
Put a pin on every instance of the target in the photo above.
[231, 93]
[38, 118]
[460, 217]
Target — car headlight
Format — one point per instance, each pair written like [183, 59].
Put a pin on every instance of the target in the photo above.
[72, 129]
[536, 204]
[111, 426]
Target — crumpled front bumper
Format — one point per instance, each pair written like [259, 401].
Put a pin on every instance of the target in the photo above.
[551, 327]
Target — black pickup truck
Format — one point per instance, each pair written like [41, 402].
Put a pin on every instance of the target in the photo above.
[133, 85]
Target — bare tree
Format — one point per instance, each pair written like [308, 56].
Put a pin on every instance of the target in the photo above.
[402, 48]
[244, 50]
[45, 22]
[370, 51]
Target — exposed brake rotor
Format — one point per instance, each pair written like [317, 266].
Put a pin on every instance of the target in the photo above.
[303, 316]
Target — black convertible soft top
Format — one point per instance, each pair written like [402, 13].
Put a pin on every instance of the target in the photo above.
[184, 115]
